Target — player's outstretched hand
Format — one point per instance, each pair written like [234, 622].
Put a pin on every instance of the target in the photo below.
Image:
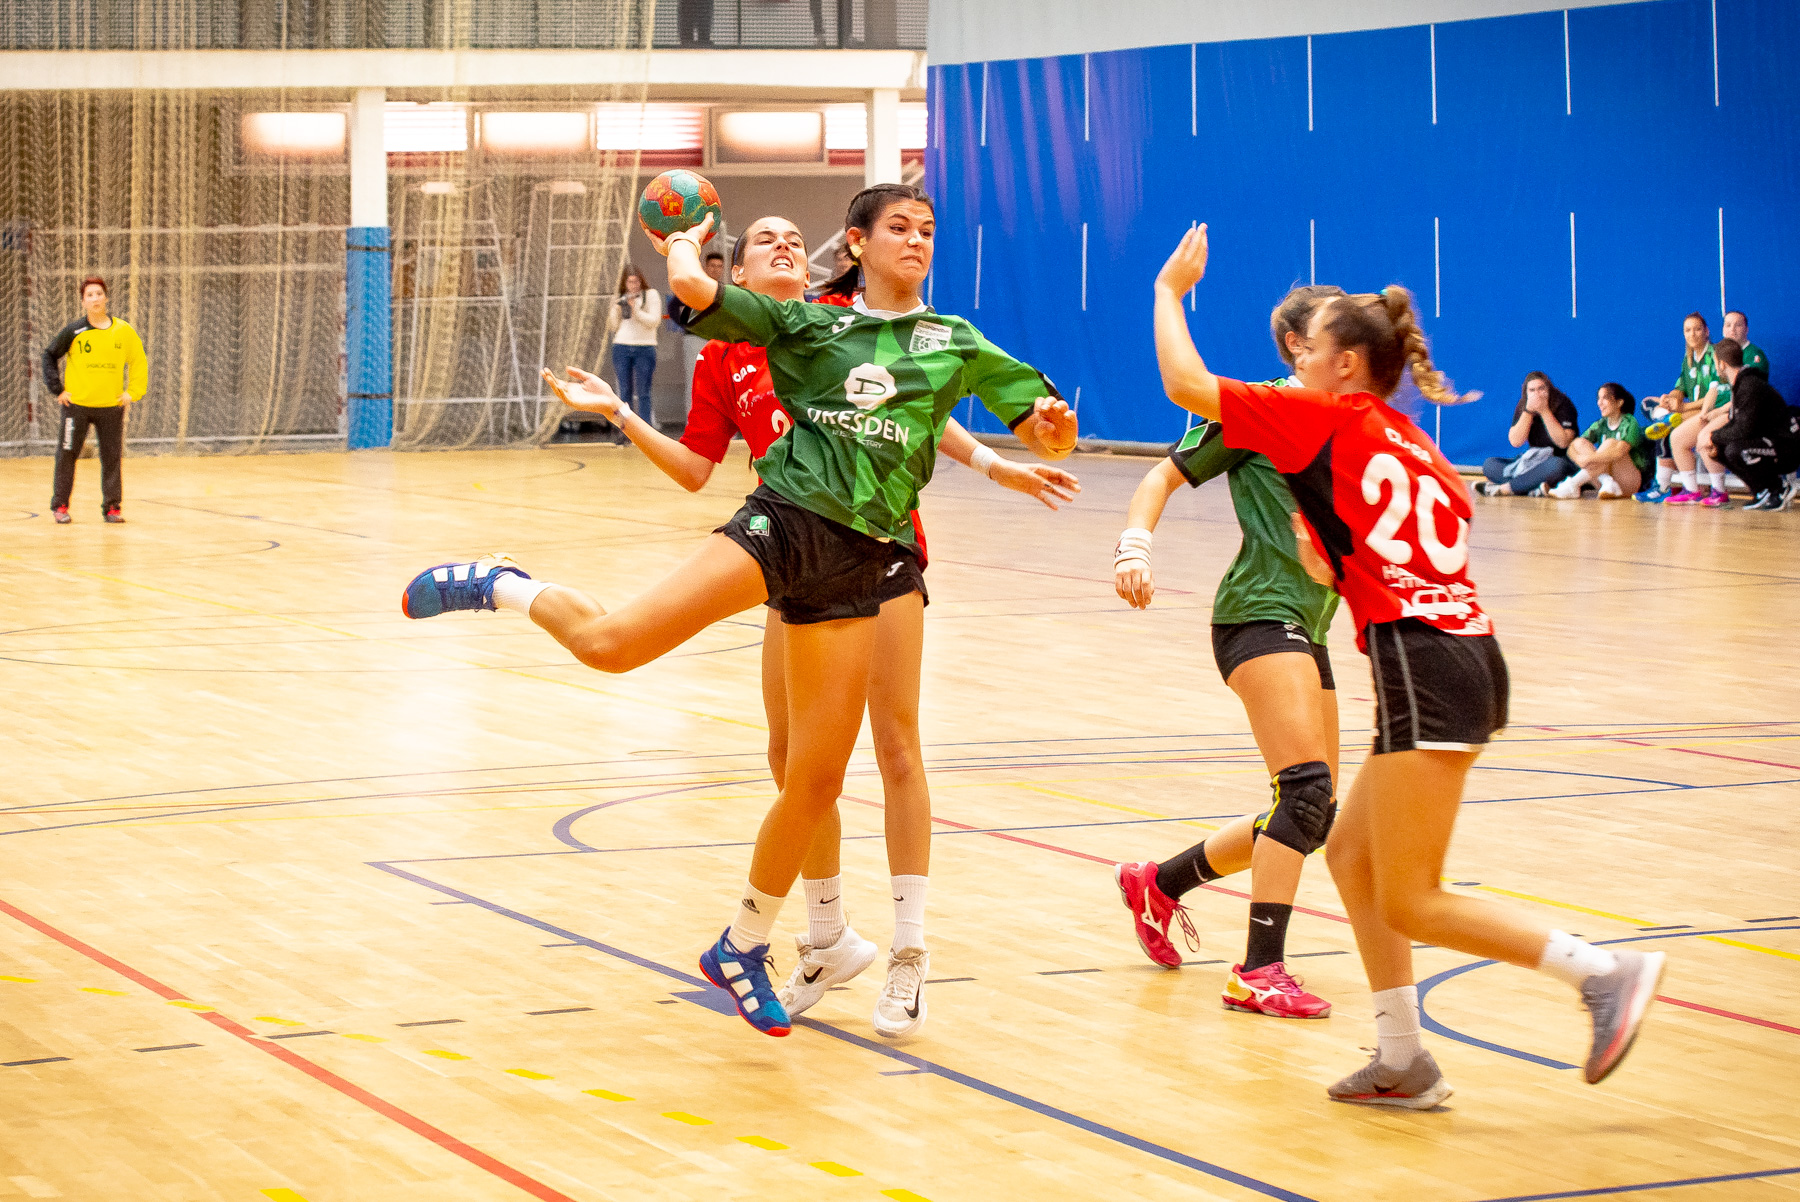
[1310, 559]
[701, 232]
[1053, 426]
[1187, 266]
[1132, 579]
[1048, 484]
[585, 391]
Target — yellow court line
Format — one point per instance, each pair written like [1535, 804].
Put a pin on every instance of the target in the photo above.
[441, 1054]
[609, 1095]
[757, 1141]
[1754, 947]
[530, 1075]
[682, 1116]
[1545, 901]
[1094, 801]
[282, 1195]
[836, 1169]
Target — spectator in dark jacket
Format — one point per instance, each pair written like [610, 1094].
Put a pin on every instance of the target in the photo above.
[1544, 422]
[1759, 441]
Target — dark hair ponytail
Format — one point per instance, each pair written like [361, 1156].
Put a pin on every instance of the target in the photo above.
[1627, 402]
[866, 208]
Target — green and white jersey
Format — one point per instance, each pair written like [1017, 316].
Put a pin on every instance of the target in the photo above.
[1265, 583]
[1627, 430]
[1754, 357]
[869, 396]
[1699, 375]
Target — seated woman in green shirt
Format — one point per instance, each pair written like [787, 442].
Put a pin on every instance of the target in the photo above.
[1612, 452]
[1699, 393]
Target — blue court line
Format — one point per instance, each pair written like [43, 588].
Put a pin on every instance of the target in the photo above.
[727, 755]
[710, 998]
[1648, 1185]
[1431, 1024]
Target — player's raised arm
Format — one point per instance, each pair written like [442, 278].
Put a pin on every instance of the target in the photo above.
[687, 270]
[1185, 375]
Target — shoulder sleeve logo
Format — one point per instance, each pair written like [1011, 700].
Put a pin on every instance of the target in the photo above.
[868, 385]
[929, 336]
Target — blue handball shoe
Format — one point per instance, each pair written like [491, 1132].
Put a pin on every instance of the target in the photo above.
[456, 586]
[745, 976]
[1656, 494]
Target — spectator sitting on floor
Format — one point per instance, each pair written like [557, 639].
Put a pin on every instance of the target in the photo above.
[1737, 328]
[1760, 440]
[1613, 453]
[1698, 387]
[1544, 423]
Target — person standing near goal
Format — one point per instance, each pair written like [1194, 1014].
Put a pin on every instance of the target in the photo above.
[105, 371]
[1386, 519]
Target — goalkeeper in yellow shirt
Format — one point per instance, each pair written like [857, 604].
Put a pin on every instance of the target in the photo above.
[105, 371]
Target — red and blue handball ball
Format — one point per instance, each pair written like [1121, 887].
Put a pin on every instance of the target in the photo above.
[679, 200]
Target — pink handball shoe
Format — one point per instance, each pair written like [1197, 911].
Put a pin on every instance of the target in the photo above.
[1271, 990]
[1151, 912]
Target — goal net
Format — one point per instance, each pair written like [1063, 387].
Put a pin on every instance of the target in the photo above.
[218, 220]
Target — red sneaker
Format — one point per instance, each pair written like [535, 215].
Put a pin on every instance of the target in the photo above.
[61, 514]
[1271, 990]
[1151, 912]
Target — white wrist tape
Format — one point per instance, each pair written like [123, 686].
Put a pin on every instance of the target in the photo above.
[1134, 544]
[983, 460]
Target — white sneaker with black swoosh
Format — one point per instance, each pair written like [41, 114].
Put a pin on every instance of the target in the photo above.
[900, 1010]
[817, 969]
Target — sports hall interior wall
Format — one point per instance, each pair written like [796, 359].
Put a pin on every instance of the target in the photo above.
[1453, 158]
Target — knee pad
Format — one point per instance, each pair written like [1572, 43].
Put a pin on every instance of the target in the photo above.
[1301, 814]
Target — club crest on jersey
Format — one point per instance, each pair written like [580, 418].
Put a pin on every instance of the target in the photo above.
[869, 385]
[929, 336]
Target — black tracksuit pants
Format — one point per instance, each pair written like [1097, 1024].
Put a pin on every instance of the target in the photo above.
[108, 422]
[1759, 462]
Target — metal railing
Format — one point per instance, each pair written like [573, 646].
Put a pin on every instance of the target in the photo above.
[474, 24]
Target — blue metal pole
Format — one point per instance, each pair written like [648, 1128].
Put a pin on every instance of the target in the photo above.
[368, 338]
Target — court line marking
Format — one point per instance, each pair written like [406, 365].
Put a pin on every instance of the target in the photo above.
[1649, 1185]
[1601, 728]
[709, 997]
[1431, 1024]
[319, 1073]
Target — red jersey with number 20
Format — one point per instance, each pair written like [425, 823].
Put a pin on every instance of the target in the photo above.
[1385, 506]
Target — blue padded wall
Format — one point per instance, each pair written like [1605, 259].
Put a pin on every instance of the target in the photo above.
[1471, 211]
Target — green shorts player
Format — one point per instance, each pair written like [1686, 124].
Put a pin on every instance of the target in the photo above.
[823, 540]
[1269, 623]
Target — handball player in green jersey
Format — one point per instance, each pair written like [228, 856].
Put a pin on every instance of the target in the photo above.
[1269, 622]
[870, 389]
[732, 395]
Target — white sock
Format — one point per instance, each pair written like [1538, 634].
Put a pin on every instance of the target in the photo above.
[512, 591]
[755, 918]
[909, 911]
[1664, 473]
[824, 910]
[1579, 478]
[1687, 480]
[1718, 480]
[1606, 480]
[1572, 961]
[1397, 1025]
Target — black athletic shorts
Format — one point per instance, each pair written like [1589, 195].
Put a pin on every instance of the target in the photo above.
[1435, 691]
[818, 570]
[1240, 642]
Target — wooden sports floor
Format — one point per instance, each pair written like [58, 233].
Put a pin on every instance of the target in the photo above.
[302, 900]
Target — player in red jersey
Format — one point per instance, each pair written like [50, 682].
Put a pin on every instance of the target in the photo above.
[733, 395]
[1387, 523]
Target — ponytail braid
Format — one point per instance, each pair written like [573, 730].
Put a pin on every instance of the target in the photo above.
[1414, 350]
[1385, 328]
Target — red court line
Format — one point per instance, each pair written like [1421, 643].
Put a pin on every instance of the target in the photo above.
[1082, 855]
[1743, 1018]
[317, 1072]
[1716, 755]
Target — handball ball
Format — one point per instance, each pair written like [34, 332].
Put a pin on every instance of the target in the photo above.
[678, 200]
